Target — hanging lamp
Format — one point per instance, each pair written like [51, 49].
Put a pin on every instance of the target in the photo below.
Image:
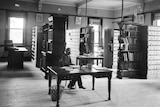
[86, 14]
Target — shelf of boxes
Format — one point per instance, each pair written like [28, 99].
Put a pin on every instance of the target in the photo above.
[153, 52]
[115, 48]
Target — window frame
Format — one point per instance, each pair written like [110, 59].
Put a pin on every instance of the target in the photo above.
[9, 29]
[100, 30]
[17, 15]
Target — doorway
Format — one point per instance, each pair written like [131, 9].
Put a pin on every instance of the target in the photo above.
[96, 23]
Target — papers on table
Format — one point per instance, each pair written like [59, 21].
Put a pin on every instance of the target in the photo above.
[72, 68]
[98, 67]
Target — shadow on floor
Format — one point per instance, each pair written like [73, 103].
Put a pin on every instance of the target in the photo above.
[150, 85]
[15, 72]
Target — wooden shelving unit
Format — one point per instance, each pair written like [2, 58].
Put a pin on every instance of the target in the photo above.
[36, 45]
[44, 47]
[86, 40]
[130, 51]
[138, 52]
[53, 44]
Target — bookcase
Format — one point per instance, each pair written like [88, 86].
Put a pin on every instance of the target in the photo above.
[130, 57]
[110, 56]
[56, 39]
[86, 40]
[137, 51]
[43, 66]
[53, 44]
[36, 45]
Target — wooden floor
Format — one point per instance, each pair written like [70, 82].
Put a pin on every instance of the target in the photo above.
[28, 88]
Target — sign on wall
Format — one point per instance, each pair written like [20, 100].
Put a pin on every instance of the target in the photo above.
[39, 17]
[78, 20]
[141, 19]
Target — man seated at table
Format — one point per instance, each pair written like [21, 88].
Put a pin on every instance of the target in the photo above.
[66, 61]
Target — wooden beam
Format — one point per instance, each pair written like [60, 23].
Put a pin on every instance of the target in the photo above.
[131, 1]
[82, 2]
[135, 1]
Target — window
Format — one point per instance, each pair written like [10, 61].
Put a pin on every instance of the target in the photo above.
[156, 19]
[96, 34]
[16, 27]
[158, 22]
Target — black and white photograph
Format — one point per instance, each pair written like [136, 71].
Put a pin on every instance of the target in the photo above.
[79, 53]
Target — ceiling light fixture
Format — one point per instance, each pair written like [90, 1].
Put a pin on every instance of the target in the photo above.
[16, 5]
[59, 9]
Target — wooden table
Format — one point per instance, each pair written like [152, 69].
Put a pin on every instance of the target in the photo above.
[66, 73]
[15, 57]
[87, 57]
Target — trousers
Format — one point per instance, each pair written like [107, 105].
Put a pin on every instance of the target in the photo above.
[74, 79]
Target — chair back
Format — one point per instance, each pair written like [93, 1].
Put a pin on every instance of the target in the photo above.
[7, 44]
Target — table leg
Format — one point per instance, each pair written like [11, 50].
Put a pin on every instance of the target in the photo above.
[58, 84]
[93, 81]
[109, 88]
[49, 82]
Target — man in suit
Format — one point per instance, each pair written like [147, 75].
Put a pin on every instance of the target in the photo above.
[66, 61]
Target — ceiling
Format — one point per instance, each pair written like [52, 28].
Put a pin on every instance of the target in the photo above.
[95, 4]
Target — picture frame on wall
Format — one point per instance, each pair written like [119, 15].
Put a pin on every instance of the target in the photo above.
[39, 17]
[78, 20]
[141, 19]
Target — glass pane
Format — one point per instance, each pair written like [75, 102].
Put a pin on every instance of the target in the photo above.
[16, 35]
[16, 22]
[158, 22]
[96, 33]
